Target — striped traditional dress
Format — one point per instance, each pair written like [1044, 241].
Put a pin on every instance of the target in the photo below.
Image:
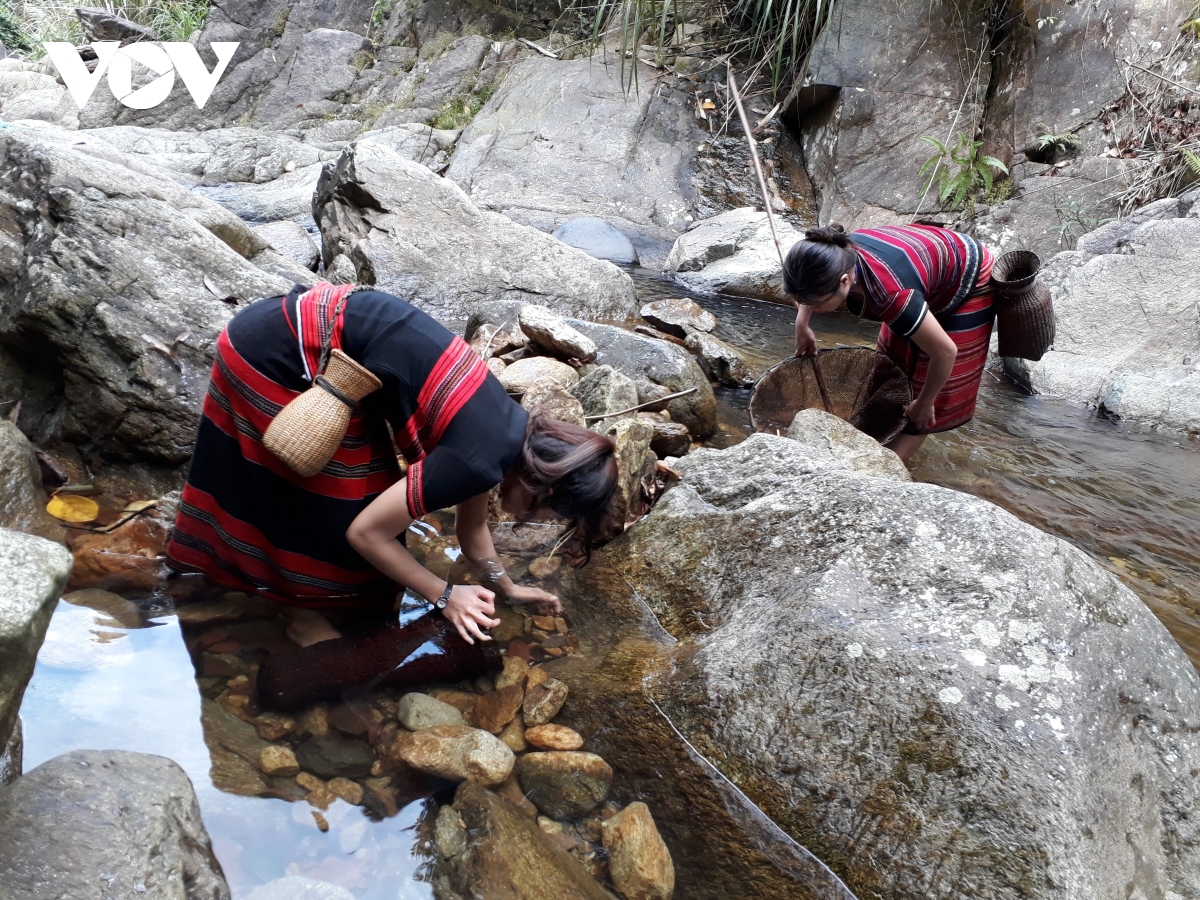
[910, 272]
[249, 522]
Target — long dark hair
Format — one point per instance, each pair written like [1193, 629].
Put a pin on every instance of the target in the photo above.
[813, 267]
[572, 471]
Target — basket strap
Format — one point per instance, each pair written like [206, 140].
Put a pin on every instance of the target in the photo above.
[318, 324]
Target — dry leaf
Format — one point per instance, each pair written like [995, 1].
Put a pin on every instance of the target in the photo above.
[138, 506]
[73, 508]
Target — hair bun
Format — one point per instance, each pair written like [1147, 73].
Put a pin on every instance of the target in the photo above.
[829, 234]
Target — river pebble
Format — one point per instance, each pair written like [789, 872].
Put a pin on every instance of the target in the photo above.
[513, 735]
[495, 709]
[350, 791]
[278, 761]
[516, 670]
[417, 712]
[543, 702]
[564, 784]
[639, 862]
[456, 753]
[459, 699]
[554, 737]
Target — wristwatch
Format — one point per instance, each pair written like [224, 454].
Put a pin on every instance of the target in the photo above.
[441, 601]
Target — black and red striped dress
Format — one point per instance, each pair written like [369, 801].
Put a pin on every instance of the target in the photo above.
[910, 272]
[250, 523]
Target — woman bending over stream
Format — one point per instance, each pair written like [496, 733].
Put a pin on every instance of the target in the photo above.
[335, 540]
[932, 290]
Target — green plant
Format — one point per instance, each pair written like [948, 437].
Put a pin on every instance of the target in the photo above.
[1048, 141]
[1074, 221]
[458, 111]
[959, 171]
[1193, 162]
[170, 20]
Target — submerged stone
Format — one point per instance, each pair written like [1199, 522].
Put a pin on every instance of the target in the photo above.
[564, 784]
[456, 753]
[639, 862]
[597, 238]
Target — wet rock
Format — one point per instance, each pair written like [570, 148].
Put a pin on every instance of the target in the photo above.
[35, 571]
[551, 332]
[564, 784]
[292, 240]
[271, 726]
[678, 316]
[597, 238]
[130, 819]
[235, 749]
[985, 692]
[826, 437]
[604, 391]
[1141, 361]
[515, 671]
[543, 701]
[12, 755]
[419, 236]
[354, 719]
[511, 791]
[719, 361]
[131, 558]
[417, 712]
[513, 735]
[509, 856]
[635, 466]
[521, 375]
[639, 862]
[496, 708]
[669, 438]
[537, 676]
[457, 753]
[121, 613]
[463, 701]
[23, 502]
[450, 832]
[121, 396]
[554, 737]
[297, 887]
[733, 253]
[333, 755]
[638, 357]
[278, 761]
[345, 789]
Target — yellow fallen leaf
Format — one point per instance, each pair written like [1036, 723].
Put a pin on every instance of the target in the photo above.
[73, 508]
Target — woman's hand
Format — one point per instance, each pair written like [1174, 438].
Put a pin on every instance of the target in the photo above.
[920, 413]
[806, 341]
[470, 608]
[546, 603]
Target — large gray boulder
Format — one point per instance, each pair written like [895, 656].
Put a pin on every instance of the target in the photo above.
[733, 253]
[420, 237]
[560, 140]
[100, 824]
[22, 500]
[103, 273]
[1125, 308]
[35, 572]
[935, 698]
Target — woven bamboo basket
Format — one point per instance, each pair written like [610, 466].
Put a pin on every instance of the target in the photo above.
[1024, 311]
[308, 431]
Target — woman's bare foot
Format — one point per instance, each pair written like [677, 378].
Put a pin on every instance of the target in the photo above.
[309, 627]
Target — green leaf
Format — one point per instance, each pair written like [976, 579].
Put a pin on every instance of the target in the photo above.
[936, 143]
[995, 164]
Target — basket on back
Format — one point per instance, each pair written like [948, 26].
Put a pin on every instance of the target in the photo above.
[307, 432]
[1024, 314]
[865, 388]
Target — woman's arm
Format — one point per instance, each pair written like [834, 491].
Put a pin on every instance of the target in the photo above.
[475, 538]
[942, 352]
[806, 341]
[373, 534]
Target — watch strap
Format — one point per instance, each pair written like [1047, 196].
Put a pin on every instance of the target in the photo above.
[441, 601]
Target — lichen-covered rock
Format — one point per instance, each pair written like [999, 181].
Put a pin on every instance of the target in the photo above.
[22, 500]
[521, 375]
[635, 467]
[419, 236]
[457, 753]
[1032, 729]
[131, 822]
[827, 438]
[639, 862]
[564, 784]
[1126, 336]
[551, 332]
[604, 391]
[548, 397]
[35, 572]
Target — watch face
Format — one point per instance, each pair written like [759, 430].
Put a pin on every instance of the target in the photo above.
[440, 604]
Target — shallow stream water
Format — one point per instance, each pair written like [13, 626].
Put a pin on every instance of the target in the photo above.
[149, 677]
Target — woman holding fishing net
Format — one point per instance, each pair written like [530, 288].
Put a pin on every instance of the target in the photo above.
[931, 288]
[329, 534]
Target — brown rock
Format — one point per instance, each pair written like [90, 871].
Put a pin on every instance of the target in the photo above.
[516, 670]
[509, 857]
[548, 397]
[350, 791]
[127, 559]
[537, 675]
[543, 702]
[276, 760]
[511, 791]
[483, 684]
[546, 623]
[322, 822]
[495, 709]
[564, 784]
[352, 720]
[309, 782]
[678, 316]
[669, 438]
[520, 647]
[545, 566]
[560, 624]
[639, 862]
[513, 735]
[271, 726]
[456, 753]
[463, 701]
[315, 720]
[554, 737]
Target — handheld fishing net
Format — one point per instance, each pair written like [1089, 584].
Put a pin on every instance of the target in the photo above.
[865, 388]
[427, 649]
